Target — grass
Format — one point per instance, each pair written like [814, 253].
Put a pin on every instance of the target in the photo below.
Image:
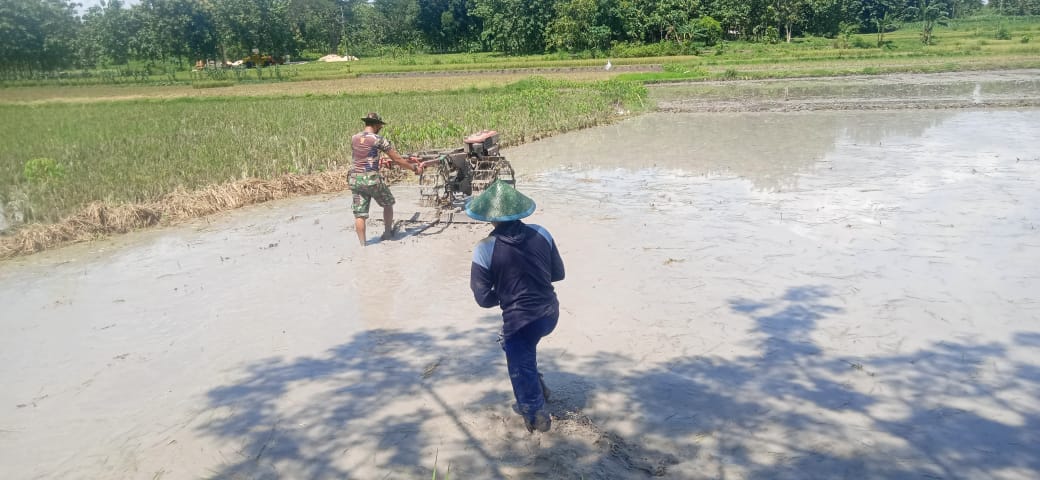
[137, 151]
[212, 84]
[968, 44]
[355, 85]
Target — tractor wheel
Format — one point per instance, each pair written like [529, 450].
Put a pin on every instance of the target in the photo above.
[433, 186]
[504, 171]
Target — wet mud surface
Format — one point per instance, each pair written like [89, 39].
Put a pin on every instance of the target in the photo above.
[1012, 88]
[749, 295]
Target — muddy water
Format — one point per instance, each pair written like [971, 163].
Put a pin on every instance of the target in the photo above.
[767, 150]
[943, 90]
[820, 294]
[795, 292]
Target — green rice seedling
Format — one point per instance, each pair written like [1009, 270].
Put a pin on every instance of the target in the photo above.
[139, 150]
[212, 84]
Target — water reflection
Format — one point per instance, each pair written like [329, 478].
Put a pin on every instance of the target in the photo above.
[768, 149]
[977, 88]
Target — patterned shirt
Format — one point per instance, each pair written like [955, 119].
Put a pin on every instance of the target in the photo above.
[366, 147]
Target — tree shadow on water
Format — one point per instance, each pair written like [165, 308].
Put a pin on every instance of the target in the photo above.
[797, 408]
[302, 417]
[387, 403]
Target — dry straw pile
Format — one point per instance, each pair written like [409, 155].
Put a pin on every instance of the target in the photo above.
[99, 219]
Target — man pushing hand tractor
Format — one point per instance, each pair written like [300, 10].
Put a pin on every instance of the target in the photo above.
[365, 181]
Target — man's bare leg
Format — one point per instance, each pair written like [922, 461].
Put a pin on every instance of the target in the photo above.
[388, 222]
[359, 225]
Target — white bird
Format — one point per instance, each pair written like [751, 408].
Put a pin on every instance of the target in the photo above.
[608, 67]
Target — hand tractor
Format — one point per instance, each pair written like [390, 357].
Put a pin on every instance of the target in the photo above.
[449, 177]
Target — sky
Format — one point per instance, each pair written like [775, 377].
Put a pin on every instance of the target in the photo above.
[86, 4]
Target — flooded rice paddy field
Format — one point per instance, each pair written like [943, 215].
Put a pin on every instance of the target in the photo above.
[1011, 88]
[840, 294]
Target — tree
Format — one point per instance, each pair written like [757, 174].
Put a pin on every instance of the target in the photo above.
[514, 26]
[447, 24]
[825, 17]
[88, 40]
[577, 28]
[930, 13]
[37, 34]
[317, 24]
[366, 29]
[242, 25]
[788, 14]
[709, 30]
[665, 17]
[106, 33]
[881, 16]
[176, 29]
[741, 18]
[629, 20]
[402, 19]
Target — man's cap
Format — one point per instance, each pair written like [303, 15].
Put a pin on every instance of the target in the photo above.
[500, 202]
[373, 118]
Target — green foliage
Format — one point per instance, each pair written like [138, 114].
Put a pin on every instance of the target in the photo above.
[575, 27]
[1003, 33]
[772, 35]
[47, 36]
[845, 38]
[859, 42]
[709, 30]
[930, 13]
[39, 170]
[514, 26]
[37, 35]
[1025, 39]
[620, 92]
[659, 49]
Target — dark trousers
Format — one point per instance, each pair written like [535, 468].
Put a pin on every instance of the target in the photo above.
[522, 361]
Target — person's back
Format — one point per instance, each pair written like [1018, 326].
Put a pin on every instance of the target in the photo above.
[365, 148]
[514, 268]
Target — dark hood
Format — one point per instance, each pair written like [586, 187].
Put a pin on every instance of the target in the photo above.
[512, 233]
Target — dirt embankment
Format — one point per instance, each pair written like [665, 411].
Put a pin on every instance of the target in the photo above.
[514, 71]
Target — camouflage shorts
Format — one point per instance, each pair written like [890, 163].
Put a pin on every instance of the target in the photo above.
[365, 187]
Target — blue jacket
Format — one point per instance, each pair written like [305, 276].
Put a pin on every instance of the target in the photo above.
[514, 268]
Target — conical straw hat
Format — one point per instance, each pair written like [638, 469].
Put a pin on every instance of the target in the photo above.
[500, 203]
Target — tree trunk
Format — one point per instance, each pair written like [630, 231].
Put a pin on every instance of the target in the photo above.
[788, 28]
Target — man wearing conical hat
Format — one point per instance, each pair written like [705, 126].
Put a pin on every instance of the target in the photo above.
[365, 181]
[514, 268]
